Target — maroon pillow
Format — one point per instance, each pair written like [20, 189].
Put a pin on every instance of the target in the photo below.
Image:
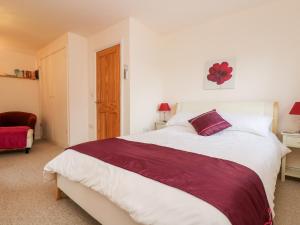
[209, 123]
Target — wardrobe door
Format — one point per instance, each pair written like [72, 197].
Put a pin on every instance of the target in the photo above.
[59, 82]
[46, 98]
[54, 98]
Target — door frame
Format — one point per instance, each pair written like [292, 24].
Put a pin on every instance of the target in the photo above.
[121, 85]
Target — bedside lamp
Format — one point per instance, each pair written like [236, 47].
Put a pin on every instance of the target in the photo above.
[295, 109]
[164, 107]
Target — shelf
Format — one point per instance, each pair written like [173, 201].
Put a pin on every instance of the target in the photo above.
[293, 159]
[293, 163]
[13, 76]
[292, 172]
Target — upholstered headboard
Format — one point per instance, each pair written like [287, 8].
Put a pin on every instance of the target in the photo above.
[255, 108]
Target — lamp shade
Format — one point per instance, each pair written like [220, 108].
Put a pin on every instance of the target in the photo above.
[164, 107]
[295, 109]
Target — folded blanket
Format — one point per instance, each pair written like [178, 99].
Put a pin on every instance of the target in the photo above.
[234, 189]
[13, 137]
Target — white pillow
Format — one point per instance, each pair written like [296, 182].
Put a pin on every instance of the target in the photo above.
[260, 125]
[181, 119]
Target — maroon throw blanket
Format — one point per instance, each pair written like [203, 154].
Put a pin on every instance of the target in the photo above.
[13, 137]
[232, 188]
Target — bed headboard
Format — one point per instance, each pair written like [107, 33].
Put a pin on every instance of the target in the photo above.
[256, 108]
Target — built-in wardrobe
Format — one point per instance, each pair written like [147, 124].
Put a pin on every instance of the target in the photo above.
[64, 90]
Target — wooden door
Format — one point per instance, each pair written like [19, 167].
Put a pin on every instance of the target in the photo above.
[108, 93]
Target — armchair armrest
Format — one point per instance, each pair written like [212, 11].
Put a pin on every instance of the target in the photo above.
[31, 121]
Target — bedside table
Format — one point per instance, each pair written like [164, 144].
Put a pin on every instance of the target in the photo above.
[160, 125]
[290, 166]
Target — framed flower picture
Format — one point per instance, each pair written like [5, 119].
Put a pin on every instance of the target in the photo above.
[219, 74]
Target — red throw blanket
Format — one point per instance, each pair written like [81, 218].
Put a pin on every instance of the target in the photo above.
[13, 137]
[232, 188]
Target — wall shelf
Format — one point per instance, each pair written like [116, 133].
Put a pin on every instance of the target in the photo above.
[13, 76]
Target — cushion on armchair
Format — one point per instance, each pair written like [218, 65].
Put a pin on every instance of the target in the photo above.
[13, 137]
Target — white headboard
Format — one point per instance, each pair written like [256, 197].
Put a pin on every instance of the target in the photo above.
[255, 108]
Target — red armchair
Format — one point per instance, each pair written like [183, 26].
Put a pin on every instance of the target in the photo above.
[14, 119]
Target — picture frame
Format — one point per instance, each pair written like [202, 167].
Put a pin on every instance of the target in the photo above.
[219, 74]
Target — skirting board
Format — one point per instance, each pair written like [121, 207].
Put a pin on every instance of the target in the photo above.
[97, 205]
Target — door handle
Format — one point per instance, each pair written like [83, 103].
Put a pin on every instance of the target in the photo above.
[97, 102]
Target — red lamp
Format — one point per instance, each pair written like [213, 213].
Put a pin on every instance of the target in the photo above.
[295, 109]
[164, 107]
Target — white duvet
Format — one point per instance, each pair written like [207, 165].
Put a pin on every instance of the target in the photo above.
[150, 202]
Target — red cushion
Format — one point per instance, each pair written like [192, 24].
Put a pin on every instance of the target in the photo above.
[209, 123]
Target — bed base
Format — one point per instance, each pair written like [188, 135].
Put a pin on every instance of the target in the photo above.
[97, 205]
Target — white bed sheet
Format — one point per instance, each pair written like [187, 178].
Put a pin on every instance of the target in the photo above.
[150, 202]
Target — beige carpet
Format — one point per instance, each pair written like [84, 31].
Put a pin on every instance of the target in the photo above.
[26, 200]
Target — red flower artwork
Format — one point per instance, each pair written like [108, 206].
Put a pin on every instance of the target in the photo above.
[220, 73]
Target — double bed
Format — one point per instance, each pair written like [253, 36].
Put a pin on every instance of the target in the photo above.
[115, 196]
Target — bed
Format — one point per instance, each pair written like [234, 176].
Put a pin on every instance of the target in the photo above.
[109, 193]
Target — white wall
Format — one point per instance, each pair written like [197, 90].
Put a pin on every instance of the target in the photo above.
[265, 42]
[116, 34]
[142, 91]
[11, 59]
[19, 94]
[145, 77]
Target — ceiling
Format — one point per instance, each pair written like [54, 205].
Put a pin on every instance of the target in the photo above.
[33, 23]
